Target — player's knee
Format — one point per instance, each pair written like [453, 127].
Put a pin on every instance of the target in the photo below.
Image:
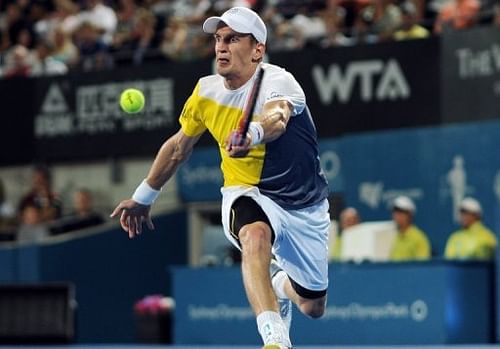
[313, 308]
[255, 235]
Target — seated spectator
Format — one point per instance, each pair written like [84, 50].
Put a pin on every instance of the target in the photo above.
[457, 14]
[14, 23]
[94, 53]
[6, 209]
[474, 240]
[410, 29]
[17, 62]
[387, 19]
[32, 228]
[334, 18]
[349, 217]
[42, 196]
[65, 50]
[139, 38]
[7, 216]
[363, 31]
[411, 243]
[83, 215]
[102, 18]
[496, 13]
[43, 62]
[184, 42]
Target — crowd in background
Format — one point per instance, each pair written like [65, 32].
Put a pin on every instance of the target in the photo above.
[49, 37]
[40, 213]
[473, 241]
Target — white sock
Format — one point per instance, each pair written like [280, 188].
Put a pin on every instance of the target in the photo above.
[272, 329]
[278, 282]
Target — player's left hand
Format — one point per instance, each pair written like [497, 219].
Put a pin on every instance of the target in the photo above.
[233, 147]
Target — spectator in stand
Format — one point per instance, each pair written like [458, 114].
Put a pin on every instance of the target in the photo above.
[42, 196]
[43, 62]
[64, 18]
[32, 228]
[100, 16]
[349, 217]
[17, 62]
[387, 19]
[7, 214]
[65, 50]
[457, 14]
[410, 29]
[14, 23]
[183, 42]
[83, 216]
[140, 38]
[410, 243]
[94, 53]
[363, 31]
[496, 13]
[474, 240]
[333, 16]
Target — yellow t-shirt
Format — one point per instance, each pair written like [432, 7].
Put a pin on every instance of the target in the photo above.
[412, 244]
[287, 170]
[415, 32]
[475, 242]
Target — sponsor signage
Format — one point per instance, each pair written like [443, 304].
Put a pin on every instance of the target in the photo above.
[368, 87]
[78, 116]
[400, 303]
[471, 74]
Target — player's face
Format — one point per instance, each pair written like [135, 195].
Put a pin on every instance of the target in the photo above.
[235, 54]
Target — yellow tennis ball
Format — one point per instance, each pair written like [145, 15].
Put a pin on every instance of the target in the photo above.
[132, 100]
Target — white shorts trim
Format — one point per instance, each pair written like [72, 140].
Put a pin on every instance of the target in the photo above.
[301, 236]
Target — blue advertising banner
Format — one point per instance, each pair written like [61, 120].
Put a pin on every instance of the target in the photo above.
[404, 303]
[200, 178]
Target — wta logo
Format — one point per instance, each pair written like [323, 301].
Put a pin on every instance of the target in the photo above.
[371, 80]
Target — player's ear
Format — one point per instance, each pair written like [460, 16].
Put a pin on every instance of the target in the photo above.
[258, 52]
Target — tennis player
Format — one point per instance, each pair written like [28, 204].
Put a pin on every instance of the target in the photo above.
[274, 199]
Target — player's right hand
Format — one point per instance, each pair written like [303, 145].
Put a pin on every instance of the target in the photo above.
[236, 145]
[132, 215]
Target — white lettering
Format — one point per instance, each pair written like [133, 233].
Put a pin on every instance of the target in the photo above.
[392, 84]
[480, 63]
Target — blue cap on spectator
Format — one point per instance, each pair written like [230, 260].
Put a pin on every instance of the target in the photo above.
[240, 19]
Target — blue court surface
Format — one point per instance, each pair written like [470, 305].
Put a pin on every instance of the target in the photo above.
[132, 346]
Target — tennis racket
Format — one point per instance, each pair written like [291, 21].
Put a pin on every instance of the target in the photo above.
[250, 107]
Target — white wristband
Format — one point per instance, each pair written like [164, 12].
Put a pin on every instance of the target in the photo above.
[256, 132]
[144, 194]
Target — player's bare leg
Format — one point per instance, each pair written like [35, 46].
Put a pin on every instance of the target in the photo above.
[314, 308]
[255, 241]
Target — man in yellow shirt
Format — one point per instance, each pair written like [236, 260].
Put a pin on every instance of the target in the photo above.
[410, 243]
[410, 29]
[474, 240]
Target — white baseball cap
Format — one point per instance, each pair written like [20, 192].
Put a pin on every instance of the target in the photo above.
[404, 203]
[471, 205]
[240, 19]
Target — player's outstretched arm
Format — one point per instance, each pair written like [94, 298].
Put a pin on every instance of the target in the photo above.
[136, 211]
